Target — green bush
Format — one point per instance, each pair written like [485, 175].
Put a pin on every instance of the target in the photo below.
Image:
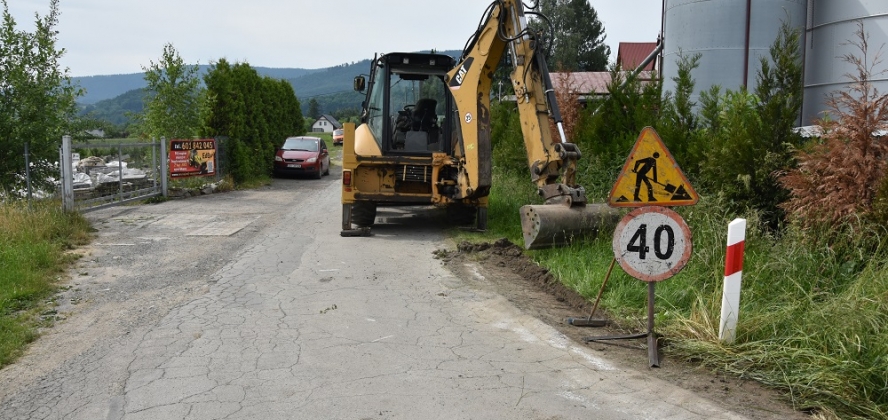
[255, 114]
[609, 127]
[506, 138]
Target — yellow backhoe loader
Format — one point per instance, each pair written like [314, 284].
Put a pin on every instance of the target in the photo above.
[424, 137]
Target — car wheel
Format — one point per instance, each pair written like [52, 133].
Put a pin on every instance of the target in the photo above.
[363, 214]
[327, 172]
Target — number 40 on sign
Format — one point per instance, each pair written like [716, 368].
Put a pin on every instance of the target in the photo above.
[652, 243]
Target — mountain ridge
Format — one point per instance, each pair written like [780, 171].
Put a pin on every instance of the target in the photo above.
[112, 97]
[101, 87]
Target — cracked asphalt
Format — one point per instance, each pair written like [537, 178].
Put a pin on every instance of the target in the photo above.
[249, 305]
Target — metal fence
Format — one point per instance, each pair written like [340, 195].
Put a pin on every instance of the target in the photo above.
[98, 175]
[101, 173]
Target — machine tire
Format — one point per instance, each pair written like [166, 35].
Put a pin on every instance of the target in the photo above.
[363, 214]
[481, 219]
[460, 215]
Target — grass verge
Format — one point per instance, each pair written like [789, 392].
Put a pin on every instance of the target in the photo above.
[33, 245]
[813, 321]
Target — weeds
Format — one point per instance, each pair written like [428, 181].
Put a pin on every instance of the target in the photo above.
[812, 320]
[33, 245]
[814, 306]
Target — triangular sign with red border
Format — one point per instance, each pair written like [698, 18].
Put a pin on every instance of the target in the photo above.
[651, 177]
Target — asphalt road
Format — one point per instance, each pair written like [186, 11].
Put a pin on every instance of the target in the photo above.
[249, 305]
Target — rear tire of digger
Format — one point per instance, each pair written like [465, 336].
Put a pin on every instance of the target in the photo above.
[363, 214]
[460, 215]
[481, 219]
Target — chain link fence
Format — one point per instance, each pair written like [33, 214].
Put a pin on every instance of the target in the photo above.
[96, 175]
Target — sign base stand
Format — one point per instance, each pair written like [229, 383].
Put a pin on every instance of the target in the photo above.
[653, 350]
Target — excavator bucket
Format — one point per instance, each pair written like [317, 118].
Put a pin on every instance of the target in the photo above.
[550, 225]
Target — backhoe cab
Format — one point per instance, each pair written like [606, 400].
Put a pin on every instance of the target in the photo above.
[407, 105]
[406, 149]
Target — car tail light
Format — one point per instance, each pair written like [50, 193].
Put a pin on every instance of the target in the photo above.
[346, 178]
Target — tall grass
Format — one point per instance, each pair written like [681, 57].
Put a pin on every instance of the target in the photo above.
[813, 321]
[33, 242]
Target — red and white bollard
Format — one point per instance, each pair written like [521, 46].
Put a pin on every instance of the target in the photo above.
[733, 272]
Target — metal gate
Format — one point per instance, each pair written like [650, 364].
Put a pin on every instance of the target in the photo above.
[98, 175]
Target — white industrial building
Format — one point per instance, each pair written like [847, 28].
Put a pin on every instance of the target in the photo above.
[732, 35]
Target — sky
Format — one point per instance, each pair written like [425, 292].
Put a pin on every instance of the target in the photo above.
[103, 37]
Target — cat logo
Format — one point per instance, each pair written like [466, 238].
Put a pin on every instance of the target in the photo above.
[651, 177]
[461, 74]
[459, 78]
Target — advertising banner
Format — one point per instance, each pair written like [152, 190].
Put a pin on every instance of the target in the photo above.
[192, 158]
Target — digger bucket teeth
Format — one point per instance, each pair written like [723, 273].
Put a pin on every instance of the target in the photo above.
[550, 225]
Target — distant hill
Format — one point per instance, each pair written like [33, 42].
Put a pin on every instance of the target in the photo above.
[116, 110]
[99, 88]
[328, 81]
[110, 98]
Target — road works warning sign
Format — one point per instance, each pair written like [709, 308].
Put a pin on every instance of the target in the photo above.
[651, 177]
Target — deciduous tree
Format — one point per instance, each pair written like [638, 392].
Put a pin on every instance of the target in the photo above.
[36, 97]
[173, 103]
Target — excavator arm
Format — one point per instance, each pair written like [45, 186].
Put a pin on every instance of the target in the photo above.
[551, 161]
[504, 28]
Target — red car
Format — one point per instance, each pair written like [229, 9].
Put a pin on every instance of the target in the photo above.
[302, 155]
[338, 135]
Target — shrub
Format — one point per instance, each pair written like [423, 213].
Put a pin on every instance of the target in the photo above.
[837, 179]
[506, 138]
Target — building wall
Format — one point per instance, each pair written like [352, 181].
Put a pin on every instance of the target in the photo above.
[322, 126]
[717, 30]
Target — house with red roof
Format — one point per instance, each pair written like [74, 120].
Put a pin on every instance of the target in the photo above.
[590, 84]
[631, 54]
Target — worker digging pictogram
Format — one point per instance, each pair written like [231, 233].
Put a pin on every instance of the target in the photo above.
[651, 177]
[648, 166]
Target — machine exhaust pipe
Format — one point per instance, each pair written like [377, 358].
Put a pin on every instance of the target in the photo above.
[551, 225]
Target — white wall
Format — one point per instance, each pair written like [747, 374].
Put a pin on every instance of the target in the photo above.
[322, 126]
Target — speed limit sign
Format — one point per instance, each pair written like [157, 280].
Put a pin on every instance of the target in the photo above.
[652, 243]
